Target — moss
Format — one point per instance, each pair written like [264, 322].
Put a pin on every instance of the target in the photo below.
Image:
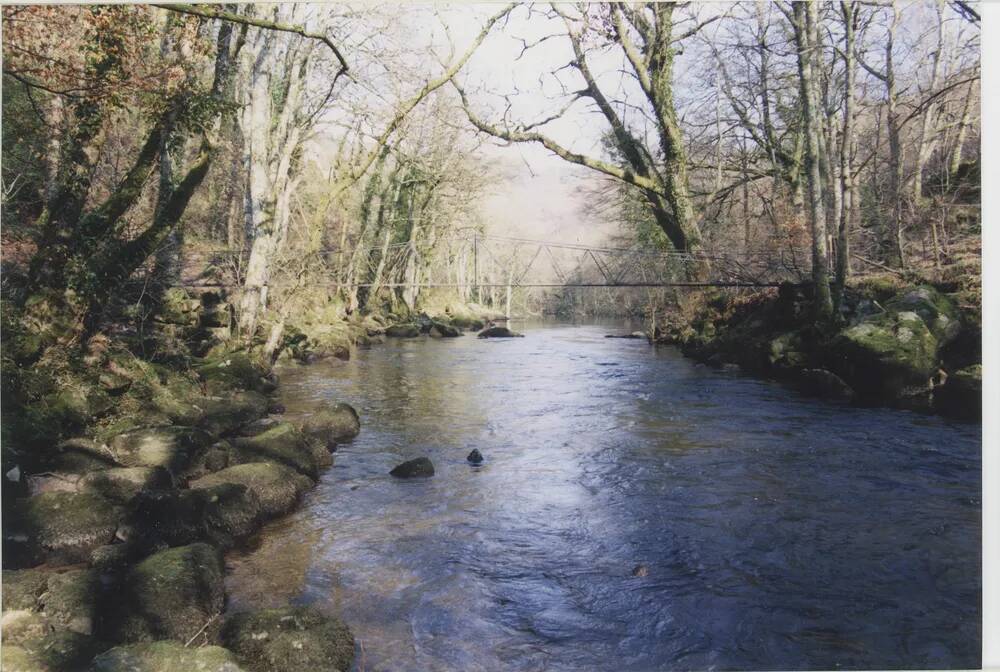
[165, 657]
[59, 526]
[405, 330]
[276, 486]
[333, 424]
[123, 484]
[171, 595]
[23, 627]
[231, 371]
[283, 444]
[171, 517]
[170, 447]
[21, 589]
[936, 310]
[234, 509]
[55, 652]
[226, 414]
[71, 600]
[289, 639]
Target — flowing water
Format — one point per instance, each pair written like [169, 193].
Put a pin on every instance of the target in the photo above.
[776, 531]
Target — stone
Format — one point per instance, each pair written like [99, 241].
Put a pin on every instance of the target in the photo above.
[228, 413]
[289, 639]
[58, 526]
[277, 487]
[499, 332]
[333, 424]
[962, 394]
[170, 447]
[442, 330]
[123, 484]
[22, 588]
[171, 595]
[165, 657]
[406, 330]
[416, 468]
[71, 600]
[823, 383]
[475, 457]
[283, 443]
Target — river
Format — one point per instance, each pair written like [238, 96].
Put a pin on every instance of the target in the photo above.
[777, 531]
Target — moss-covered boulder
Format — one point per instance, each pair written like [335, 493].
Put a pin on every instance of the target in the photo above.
[231, 371]
[233, 509]
[404, 330]
[283, 444]
[171, 595]
[499, 332]
[936, 310]
[466, 322]
[333, 424]
[823, 383]
[71, 600]
[22, 588]
[171, 517]
[785, 352]
[226, 414]
[79, 455]
[61, 527]
[170, 447]
[887, 358]
[57, 651]
[177, 307]
[165, 657]
[289, 639]
[21, 626]
[441, 329]
[123, 484]
[277, 487]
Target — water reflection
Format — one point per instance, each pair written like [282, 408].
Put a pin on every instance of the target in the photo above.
[778, 532]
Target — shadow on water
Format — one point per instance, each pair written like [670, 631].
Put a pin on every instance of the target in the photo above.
[777, 532]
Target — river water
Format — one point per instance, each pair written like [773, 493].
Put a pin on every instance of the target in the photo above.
[777, 531]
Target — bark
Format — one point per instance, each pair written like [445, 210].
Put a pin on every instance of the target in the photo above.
[927, 140]
[847, 177]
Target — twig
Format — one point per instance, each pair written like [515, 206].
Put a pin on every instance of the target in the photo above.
[200, 630]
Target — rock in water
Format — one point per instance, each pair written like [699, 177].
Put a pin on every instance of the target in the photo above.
[165, 657]
[289, 639]
[406, 330]
[475, 457]
[415, 468]
[499, 332]
[640, 571]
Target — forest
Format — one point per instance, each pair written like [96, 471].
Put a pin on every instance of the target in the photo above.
[195, 193]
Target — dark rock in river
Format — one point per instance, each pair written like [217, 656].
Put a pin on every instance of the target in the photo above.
[406, 330]
[962, 394]
[499, 332]
[822, 383]
[289, 639]
[475, 457]
[442, 330]
[418, 467]
[634, 334]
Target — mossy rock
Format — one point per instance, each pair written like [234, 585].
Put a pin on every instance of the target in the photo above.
[277, 487]
[21, 626]
[22, 588]
[55, 652]
[233, 509]
[289, 639]
[443, 330]
[71, 600]
[171, 595]
[226, 414]
[171, 517]
[499, 332]
[170, 447]
[58, 526]
[466, 322]
[165, 657]
[405, 330]
[232, 371]
[283, 444]
[823, 383]
[123, 484]
[786, 352]
[936, 310]
[333, 424]
[886, 358]
[79, 455]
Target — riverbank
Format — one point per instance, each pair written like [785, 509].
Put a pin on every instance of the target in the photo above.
[892, 343]
[128, 477]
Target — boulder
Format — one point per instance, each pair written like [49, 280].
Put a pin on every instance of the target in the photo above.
[937, 311]
[228, 413]
[22, 588]
[165, 657]
[170, 517]
[176, 307]
[466, 322]
[442, 330]
[405, 330]
[58, 526]
[71, 600]
[123, 484]
[233, 509]
[475, 457]
[289, 639]
[825, 384]
[79, 456]
[282, 443]
[55, 652]
[276, 486]
[418, 467]
[171, 595]
[962, 394]
[171, 447]
[499, 332]
[231, 371]
[890, 357]
[333, 424]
